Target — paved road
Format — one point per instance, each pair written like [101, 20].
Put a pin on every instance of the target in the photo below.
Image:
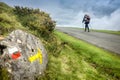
[107, 41]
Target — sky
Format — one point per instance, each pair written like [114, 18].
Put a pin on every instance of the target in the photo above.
[105, 14]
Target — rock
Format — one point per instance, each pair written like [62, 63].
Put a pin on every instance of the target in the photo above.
[23, 55]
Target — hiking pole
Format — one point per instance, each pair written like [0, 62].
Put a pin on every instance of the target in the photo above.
[90, 26]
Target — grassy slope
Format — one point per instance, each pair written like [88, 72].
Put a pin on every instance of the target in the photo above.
[8, 21]
[108, 31]
[81, 61]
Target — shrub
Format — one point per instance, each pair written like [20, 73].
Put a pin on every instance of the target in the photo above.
[35, 20]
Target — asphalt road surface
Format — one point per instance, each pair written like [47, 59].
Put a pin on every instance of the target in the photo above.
[103, 40]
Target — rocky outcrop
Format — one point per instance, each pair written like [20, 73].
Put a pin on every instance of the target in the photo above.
[23, 55]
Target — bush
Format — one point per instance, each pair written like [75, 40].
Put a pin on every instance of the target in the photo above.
[35, 20]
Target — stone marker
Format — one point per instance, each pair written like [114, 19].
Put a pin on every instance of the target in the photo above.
[23, 55]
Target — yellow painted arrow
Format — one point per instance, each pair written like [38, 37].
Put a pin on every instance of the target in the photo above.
[38, 55]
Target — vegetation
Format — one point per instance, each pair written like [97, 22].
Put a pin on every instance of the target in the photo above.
[4, 75]
[108, 31]
[5, 8]
[8, 20]
[35, 20]
[81, 61]
[8, 23]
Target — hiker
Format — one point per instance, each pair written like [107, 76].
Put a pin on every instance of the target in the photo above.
[86, 21]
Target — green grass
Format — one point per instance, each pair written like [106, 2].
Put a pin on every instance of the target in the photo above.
[81, 61]
[8, 23]
[108, 31]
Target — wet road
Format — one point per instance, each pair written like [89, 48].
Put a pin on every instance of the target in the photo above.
[106, 41]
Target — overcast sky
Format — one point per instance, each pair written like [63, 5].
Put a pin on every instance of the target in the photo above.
[105, 14]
